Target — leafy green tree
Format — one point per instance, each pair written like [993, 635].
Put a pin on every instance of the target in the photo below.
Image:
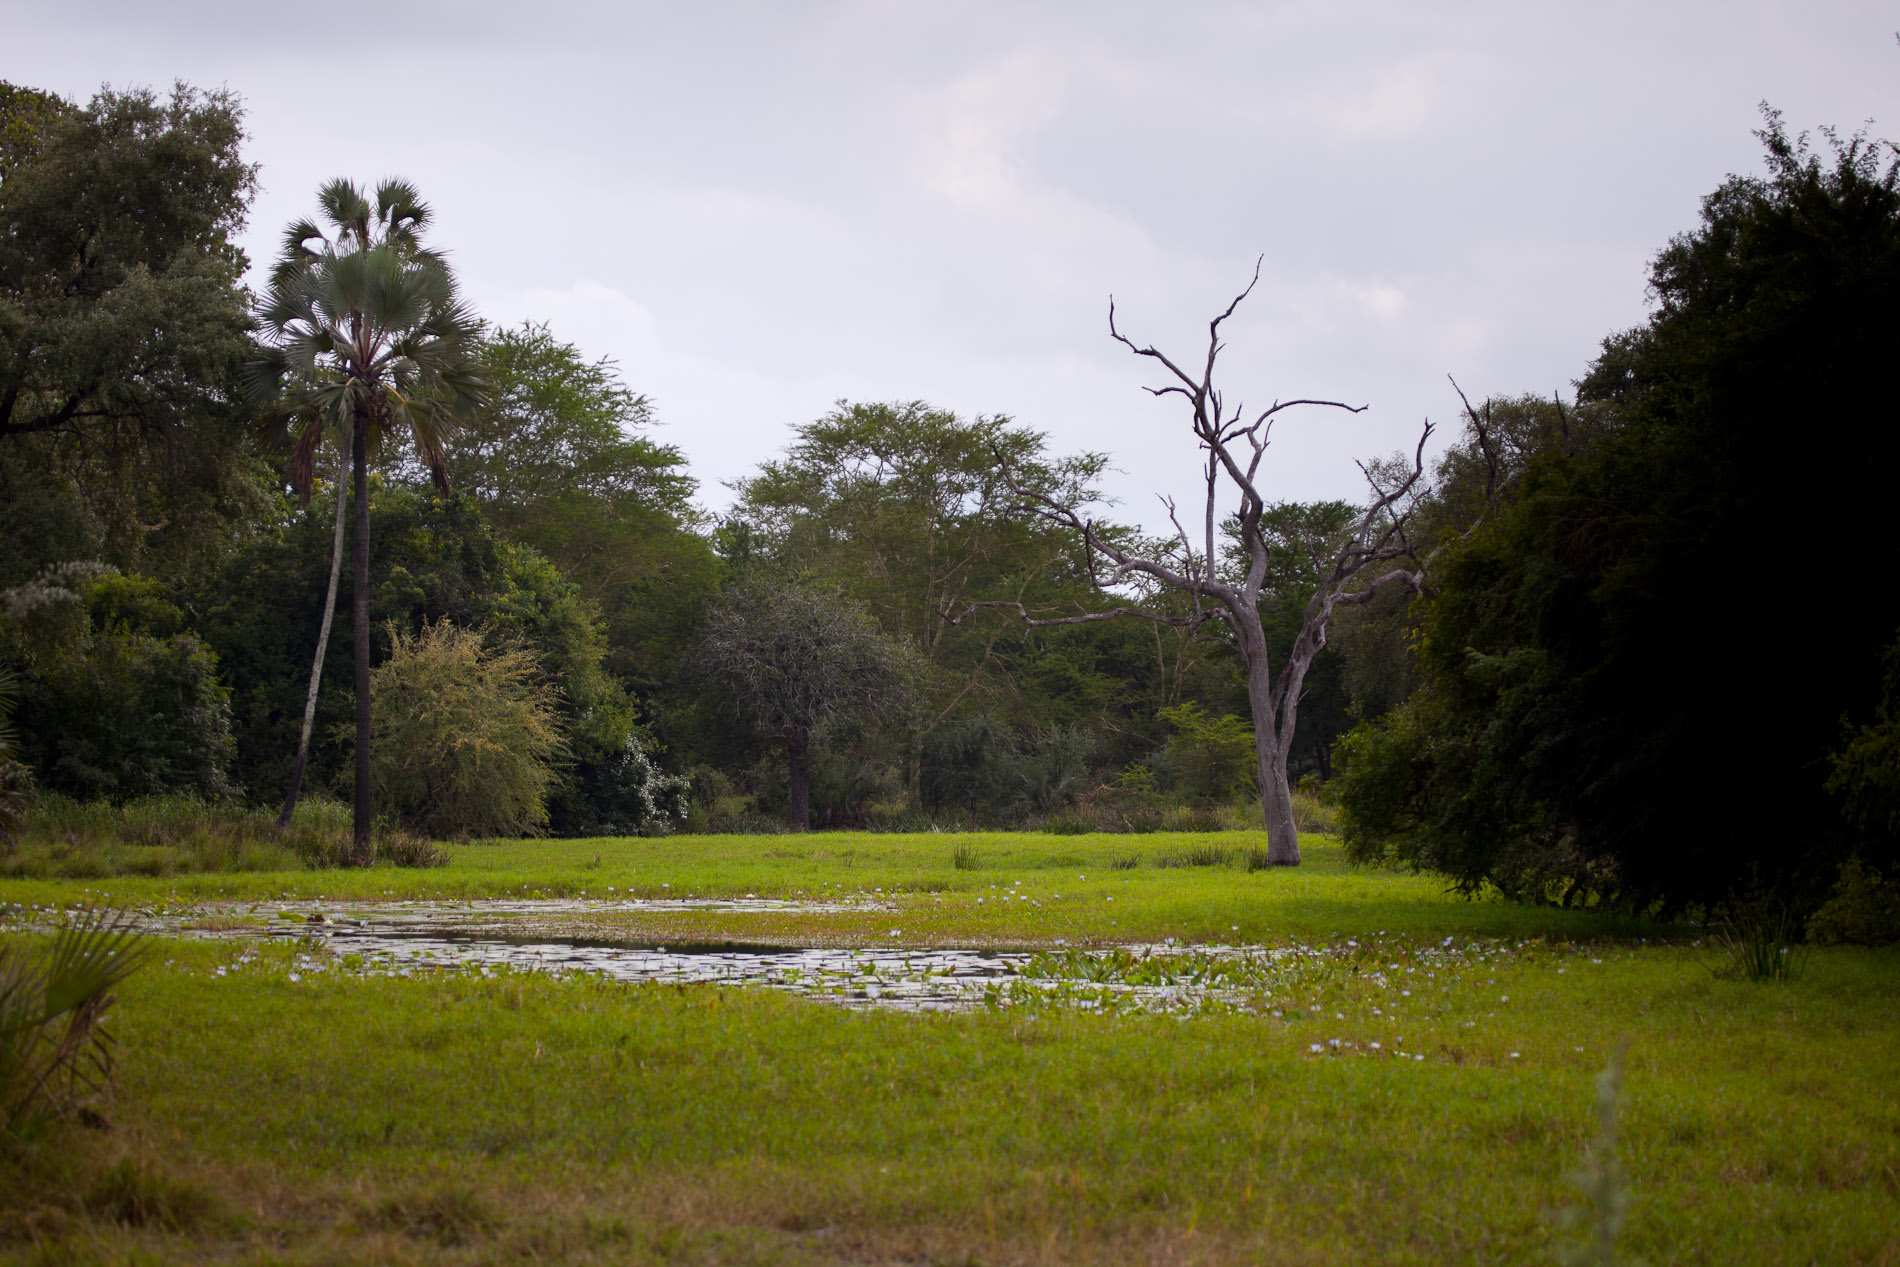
[560, 431]
[367, 335]
[26, 114]
[792, 658]
[1633, 677]
[118, 698]
[558, 461]
[123, 327]
[904, 508]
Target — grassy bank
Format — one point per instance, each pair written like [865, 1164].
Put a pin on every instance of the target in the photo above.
[326, 1117]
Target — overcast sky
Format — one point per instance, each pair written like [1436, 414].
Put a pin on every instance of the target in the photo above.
[758, 209]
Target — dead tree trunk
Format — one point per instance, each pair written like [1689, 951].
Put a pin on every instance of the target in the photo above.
[1373, 553]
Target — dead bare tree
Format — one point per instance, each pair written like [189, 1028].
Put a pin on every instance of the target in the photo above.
[1375, 552]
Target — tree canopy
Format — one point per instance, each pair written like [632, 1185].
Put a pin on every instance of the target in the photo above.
[1623, 695]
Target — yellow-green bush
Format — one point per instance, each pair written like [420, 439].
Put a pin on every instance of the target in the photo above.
[464, 735]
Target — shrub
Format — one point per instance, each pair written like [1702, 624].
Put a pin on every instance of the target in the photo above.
[465, 734]
[1313, 813]
[1863, 910]
[977, 763]
[1213, 758]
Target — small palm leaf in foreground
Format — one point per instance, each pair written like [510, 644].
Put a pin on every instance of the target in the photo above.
[53, 1052]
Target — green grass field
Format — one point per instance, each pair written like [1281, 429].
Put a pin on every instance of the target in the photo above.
[456, 1118]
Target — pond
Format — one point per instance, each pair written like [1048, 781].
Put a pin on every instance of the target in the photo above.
[555, 936]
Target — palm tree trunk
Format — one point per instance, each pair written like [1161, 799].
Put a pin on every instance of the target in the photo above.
[323, 636]
[361, 850]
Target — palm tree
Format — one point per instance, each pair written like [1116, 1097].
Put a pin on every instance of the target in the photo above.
[366, 335]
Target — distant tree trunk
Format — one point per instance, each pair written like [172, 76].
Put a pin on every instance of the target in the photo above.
[798, 756]
[914, 775]
[362, 851]
[323, 634]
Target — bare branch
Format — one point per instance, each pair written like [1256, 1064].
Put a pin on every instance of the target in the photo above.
[1200, 617]
[1482, 426]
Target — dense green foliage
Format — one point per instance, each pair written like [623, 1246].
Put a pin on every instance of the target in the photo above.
[122, 330]
[1624, 695]
[118, 698]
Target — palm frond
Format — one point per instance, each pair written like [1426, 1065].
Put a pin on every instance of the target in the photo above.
[52, 1049]
[345, 207]
[366, 323]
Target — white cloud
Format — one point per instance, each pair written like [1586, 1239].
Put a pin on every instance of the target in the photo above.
[976, 128]
[758, 208]
[1398, 101]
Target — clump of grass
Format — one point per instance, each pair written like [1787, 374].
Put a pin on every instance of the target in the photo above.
[137, 1196]
[53, 1054]
[1257, 859]
[965, 858]
[1313, 813]
[1192, 818]
[449, 1216]
[181, 835]
[1129, 863]
[1196, 856]
[1139, 821]
[1756, 941]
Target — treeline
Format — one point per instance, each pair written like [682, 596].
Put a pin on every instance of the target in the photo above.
[1646, 666]
[164, 580]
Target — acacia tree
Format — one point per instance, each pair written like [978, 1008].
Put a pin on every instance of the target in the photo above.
[905, 508]
[1372, 552]
[791, 658]
[367, 334]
